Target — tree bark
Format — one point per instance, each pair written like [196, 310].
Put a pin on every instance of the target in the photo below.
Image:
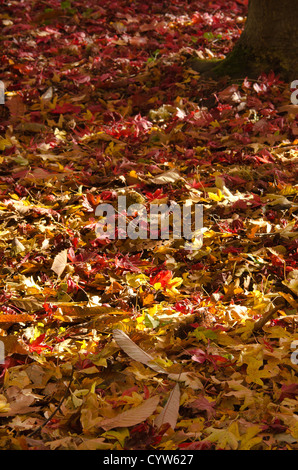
[269, 42]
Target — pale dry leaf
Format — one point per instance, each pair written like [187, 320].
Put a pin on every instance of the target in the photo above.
[131, 417]
[170, 412]
[292, 281]
[18, 246]
[97, 443]
[48, 95]
[135, 352]
[60, 262]
[189, 378]
[167, 177]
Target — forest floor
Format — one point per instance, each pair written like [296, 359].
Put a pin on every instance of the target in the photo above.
[143, 344]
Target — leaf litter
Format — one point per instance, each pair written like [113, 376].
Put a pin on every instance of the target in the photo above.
[141, 344]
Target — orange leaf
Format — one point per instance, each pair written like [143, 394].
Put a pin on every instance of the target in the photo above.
[18, 318]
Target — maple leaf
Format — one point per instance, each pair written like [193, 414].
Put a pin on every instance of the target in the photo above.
[249, 439]
[224, 438]
[37, 344]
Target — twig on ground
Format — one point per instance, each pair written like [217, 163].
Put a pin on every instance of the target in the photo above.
[56, 409]
[263, 320]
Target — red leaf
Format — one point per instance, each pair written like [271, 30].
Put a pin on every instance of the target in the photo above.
[198, 355]
[200, 445]
[203, 404]
[288, 391]
[37, 345]
[66, 108]
[163, 277]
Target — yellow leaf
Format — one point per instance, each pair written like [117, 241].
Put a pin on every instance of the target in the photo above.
[4, 406]
[294, 430]
[4, 143]
[238, 290]
[246, 330]
[14, 196]
[120, 435]
[289, 298]
[215, 123]
[216, 197]
[254, 374]
[15, 377]
[248, 440]
[88, 115]
[224, 438]
[133, 174]
[136, 280]
[83, 310]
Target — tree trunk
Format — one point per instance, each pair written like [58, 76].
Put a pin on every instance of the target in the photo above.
[269, 42]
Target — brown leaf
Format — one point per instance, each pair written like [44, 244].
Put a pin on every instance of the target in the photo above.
[16, 107]
[170, 412]
[12, 345]
[131, 417]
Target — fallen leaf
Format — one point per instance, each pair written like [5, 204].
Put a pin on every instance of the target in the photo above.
[131, 417]
[169, 414]
[60, 262]
[167, 177]
[135, 352]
